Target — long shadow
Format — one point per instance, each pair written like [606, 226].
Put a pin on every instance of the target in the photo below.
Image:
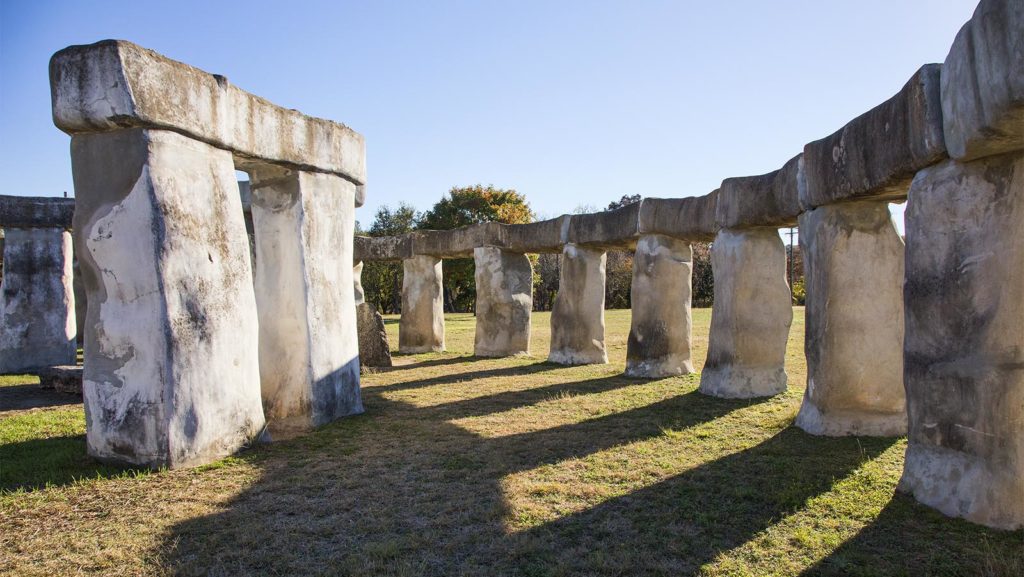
[451, 378]
[50, 462]
[30, 396]
[423, 364]
[901, 541]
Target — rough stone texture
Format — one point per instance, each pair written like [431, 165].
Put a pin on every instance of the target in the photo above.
[382, 248]
[35, 212]
[610, 229]
[374, 348]
[458, 242]
[853, 262]
[577, 317]
[877, 153]
[37, 301]
[171, 367]
[504, 299]
[308, 340]
[691, 218]
[115, 84]
[63, 379]
[78, 288]
[771, 199]
[751, 316]
[659, 337]
[421, 327]
[964, 348]
[983, 83]
[544, 236]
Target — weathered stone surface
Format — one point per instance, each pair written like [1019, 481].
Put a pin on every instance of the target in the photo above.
[115, 84]
[171, 367]
[876, 154]
[504, 299]
[78, 289]
[63, 379]
[610, 229]
[659, 337]
[547, 236]
[35, 212]
[771, 199]
[751, 316]
[983, 83]
[309, 345]
[577, 317]
[853, 262]
[421, 328]
[370, 248]
[458, 242]
[691, 218]
[37, 301]
[374, 349]
[964, 348]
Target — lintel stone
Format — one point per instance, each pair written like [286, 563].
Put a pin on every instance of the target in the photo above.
[374, 248]
[609, 230]
[771, 199]
[36, 212]
[691, 218]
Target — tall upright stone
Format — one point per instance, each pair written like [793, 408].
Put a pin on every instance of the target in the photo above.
[37, 300]
[374, 348]
[659, 336]
[308, 342]
[421, 328]
[504, 301]
[751, 315]
[171, 369]
[853, 263]
[577, 317]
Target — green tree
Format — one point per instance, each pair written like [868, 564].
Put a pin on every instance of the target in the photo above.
[382, 281]
[463, 206]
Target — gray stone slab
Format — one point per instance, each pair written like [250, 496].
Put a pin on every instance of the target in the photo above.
[36, 212]
[62, 378]
[609, 230]
[456, 243]
[877, 154]
[546, 236]
[577, 317]
[771, 199]
[374, 349]
[421, 327]
[504, 301]
[691, 218]
[374, 248]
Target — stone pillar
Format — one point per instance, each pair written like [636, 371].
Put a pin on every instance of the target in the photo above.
[37, 301]
[309, 351]
[853, 263]
[964, 348]
[374, 349]
[577, 317]
[421, 328]
[751, 315]
[504, 301]
[171, 366]
[659, 337]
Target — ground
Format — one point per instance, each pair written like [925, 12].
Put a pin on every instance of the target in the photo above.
[493, 467]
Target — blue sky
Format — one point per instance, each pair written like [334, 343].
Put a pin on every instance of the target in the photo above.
[569, 102]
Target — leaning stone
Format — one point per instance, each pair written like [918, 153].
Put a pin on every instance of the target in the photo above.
[853, 262]
[659, 337]
[63, 379]
[171, 364]
[771, 199]
[876, 154]
[983, 83]
[750, 317]
[421, 327]
[608, 230]
[115, 84]
[309, 345]
[577, 317]
[964, 349]
[37, 300]
[504, 299]
[35, 212]
[691, 218]
[374, 349]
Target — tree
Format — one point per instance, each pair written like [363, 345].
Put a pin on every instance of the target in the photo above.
[463, 206]
[382, 281]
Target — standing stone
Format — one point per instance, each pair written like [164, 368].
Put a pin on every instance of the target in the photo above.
[171, 369]
[421, 328]
[308, 341]
[750, 317]
[37, 301]
[374, 349]
[577, 317]
[853, 259]
[504, 300]
[964, 351]
[659, 338]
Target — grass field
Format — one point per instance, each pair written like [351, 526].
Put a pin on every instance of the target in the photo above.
[495, 467]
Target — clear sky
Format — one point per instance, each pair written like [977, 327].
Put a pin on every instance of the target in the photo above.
[569, 102]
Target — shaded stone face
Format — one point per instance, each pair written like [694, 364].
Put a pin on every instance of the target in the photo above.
[659, 337]
[37, 301]
[374, 349]
[309, 351]
[504, 300]
[751, 316]
[853, 261]
[964, 348]
[421, 328]
[171, 369]
[577, 317]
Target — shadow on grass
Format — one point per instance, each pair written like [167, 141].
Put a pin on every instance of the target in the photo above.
[31, 396]
[51, 462]
[450, 378]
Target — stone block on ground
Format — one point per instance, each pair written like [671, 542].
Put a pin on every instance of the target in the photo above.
[63, 379]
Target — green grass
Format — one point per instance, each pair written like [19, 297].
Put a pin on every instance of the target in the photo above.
[465, 466]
